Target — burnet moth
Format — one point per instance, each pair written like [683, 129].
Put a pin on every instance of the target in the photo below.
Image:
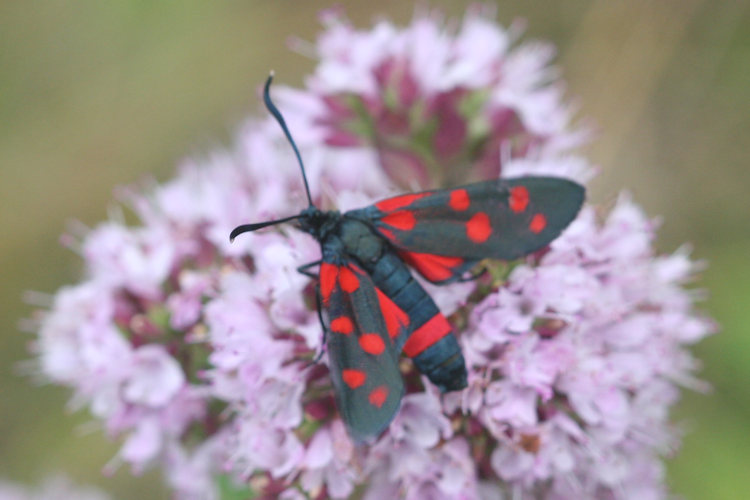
[373, 306]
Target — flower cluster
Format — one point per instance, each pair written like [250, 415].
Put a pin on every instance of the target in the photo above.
[162, 341]
[433, 101]
[577, 359]
[199, 352]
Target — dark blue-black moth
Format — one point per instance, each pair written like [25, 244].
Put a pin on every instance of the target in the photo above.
[374, 308]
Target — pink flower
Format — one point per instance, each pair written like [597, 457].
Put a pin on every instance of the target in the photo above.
[328, 462]
[78, 339]
[593, 350]
[432, 100]
[418, 458]
[192, 475]
[155, 377]
[137, 260]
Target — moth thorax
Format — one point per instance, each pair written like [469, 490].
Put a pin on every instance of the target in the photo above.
[359, 240]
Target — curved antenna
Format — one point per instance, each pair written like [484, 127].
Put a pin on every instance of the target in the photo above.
[280, 119]
[246, 228]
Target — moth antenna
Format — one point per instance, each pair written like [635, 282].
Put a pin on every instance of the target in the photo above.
[280, 119]
[246, 228]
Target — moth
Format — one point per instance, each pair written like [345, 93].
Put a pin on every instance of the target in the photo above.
[370, 305]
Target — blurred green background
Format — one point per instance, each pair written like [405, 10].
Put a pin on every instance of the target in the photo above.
[98, 94]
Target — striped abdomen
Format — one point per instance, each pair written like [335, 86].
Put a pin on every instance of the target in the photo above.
[430, 341]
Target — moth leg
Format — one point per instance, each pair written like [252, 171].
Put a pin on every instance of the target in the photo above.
[319, 304]
[473, 276]
[303, 269]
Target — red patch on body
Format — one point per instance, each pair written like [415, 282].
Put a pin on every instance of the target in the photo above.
[427, 334]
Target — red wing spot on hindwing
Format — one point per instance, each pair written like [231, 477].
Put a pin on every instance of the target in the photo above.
[395, 317]
[378, 396]
[399, 201]
[403, 220]
[328, 275]
[433, 267]
[478, 228]
[427, 334]
[538, 223]
[342, 325]
[519, 198]
[353, 378]
[348, 280]
[371, 343]
[459, 200]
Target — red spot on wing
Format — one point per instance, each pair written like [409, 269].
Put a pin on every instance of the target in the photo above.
[459, 200]
[328, 275]
[342, 325]
[353, 378]
[519, 198]
[395, 318]
[371, 343]
[399, 201]
[387, 233]
[348, 280]
[378, 396]
[538, 223]
[427, 334]
[478, 228]
[432, 267]
[403, 220]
